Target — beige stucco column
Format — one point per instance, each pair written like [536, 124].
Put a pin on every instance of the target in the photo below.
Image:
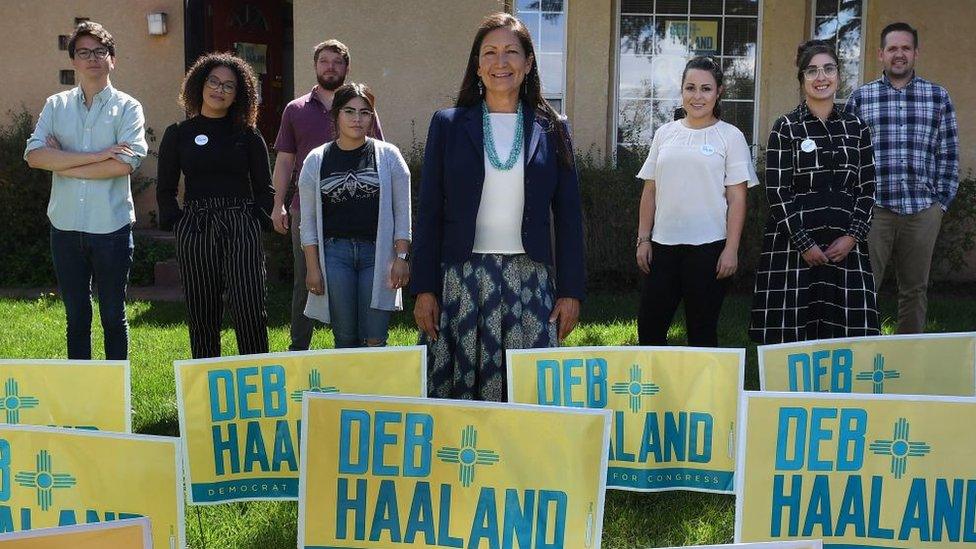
[589, 74]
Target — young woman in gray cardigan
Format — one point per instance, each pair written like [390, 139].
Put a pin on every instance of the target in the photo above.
[355, 227]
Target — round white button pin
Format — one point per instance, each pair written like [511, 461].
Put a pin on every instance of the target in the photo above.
[808, 145]
[707, 149]
[201, 140]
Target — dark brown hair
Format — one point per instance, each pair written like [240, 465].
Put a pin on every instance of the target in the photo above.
[244, 110]
[903, 27]
[531, 90]
[703, 63]
[332, 45]
[346, 93]
[96, 31]
[807, 50]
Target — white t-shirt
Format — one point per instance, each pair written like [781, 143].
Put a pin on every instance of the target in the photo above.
[691, 169]
[498, 229]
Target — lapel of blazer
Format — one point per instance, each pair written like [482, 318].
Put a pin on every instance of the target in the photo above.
[473, 127]
[532, 131]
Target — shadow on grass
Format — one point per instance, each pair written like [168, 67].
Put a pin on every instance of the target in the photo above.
[165, 426]
[163, 314]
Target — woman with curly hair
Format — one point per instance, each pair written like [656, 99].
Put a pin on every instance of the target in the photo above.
[227, 199]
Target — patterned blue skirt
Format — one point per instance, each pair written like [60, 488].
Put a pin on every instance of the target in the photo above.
[490, 303]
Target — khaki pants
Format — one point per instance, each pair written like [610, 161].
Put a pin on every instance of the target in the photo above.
[906, 241]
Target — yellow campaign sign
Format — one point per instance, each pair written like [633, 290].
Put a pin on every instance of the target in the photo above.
[62, 477]
[674, 408]
[83, 394]
[878, 471]
[799, 544]
[382, 472]
[701, 35]
[241, 416]
[118, 534]
[919, 364]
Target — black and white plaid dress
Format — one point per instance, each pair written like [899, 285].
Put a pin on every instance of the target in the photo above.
[820, 186]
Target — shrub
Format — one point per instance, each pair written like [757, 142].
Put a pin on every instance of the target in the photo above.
[24, 193]
[147, 252]
[610, 196]
[958, 236]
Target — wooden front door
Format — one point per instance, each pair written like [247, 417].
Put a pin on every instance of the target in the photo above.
[253, 29]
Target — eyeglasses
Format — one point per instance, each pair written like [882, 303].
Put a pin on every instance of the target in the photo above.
[85, 53]
[811, 72]
[353, 113]
[214, 83]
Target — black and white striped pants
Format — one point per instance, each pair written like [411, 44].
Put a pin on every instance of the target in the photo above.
[218, 247]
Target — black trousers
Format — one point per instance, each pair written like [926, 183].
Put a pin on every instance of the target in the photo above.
[218, 247]
[682, 272]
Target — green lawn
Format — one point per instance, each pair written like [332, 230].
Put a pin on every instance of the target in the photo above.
[35, 329]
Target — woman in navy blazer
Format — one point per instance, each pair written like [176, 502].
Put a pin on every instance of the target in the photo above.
[498, 180]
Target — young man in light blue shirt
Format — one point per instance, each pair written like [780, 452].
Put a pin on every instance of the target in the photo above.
[91, 138]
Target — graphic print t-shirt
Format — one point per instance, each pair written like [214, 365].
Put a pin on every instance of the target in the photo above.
[350, 187]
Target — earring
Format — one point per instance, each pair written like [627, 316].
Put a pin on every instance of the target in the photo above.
[481, 87]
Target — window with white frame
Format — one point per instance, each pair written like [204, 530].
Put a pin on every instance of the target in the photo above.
[657, 38]
[546, 21]
[839, 22]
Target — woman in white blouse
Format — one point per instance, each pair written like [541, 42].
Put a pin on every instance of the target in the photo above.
[692, 210]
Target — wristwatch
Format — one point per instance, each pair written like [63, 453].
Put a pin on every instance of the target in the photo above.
[404, 256]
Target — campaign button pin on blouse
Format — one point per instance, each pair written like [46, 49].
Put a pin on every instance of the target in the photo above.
[808, 145]
[201, 140]
[707, 149]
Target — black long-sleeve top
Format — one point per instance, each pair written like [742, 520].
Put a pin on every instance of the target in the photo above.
[217, 161]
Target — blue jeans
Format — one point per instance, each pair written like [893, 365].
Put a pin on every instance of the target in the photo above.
[349, 272]
[79, 258]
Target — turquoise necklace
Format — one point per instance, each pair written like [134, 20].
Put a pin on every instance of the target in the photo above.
[490, 139]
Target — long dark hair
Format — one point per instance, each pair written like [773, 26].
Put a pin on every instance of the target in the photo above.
[244, 110]
[531, 90]
[703, 63]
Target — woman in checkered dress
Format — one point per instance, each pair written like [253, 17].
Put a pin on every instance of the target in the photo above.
[814, 278]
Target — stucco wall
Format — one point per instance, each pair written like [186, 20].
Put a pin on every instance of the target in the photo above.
[150, 68]
[589, 74]
[785, 24]
[413, 59]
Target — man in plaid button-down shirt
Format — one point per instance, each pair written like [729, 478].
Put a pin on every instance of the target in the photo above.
[916, 151]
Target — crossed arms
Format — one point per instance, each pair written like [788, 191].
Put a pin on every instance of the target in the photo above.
[46, 153]
[82, 165]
